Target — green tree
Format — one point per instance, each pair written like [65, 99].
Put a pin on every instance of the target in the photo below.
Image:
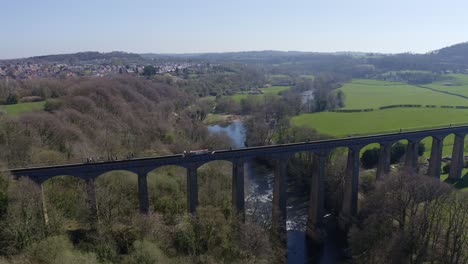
[149, 71]
[11, 99]
[397, 151]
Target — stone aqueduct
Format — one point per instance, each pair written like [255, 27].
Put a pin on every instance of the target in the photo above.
[280, 154]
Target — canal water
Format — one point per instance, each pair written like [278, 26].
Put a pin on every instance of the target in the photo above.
[259, 180]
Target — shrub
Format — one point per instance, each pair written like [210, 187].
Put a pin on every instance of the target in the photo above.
[11, 99]
[57, 250]
[48, 249]
[52, 105]
[398, 150]
[366, 182]
[29, 99]
[145, 252]
[446, 168]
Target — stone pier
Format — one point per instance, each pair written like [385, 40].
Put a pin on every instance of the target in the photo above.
[44, 205]
[192, 189]
[383, 167]
[143, 192]
[411, 162]
[435, 160]
[279, 210]
[317, 198]
[238, 200]
[351, 188]
[92, 199]
[458, 157]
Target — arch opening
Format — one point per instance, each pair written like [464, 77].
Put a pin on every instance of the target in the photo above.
[397, 154]
[259, 182]
[66, 197]
[424, 154]
[215, 185]
[116, 197]
[448, 152]
[167, 191]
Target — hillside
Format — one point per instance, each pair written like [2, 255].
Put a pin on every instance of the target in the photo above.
[456, 54]
[90, 57]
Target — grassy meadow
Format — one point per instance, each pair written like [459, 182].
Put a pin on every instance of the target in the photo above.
[360, 94]
[388, 120]
[459, 84]
[19, 108]
[273, 90]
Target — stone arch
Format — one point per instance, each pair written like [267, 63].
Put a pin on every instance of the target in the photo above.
[424, 152]
[215, 184]
[67, 195]
[167, 190]
[373, 152]
[259, 188]
[300, 173]
[397, 152]
[453, 153]
[116, 195]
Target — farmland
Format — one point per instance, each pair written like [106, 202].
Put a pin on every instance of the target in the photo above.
[384, 121]
[458, 84]
[362, 94]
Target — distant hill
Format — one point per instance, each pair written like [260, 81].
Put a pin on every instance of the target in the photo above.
[450, 59]
[91, 57]
[456, 55]
[460, 49]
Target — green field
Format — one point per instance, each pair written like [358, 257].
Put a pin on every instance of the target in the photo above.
[360, 94]
[391, 120]
[23, 107]
[459, 81]
[308, 76]
[274, 90]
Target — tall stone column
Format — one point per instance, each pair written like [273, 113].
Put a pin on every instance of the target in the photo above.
[279, 210]
[383, 167]
[143, 192]
[435, 161]
[92, 199]
[238, 199]
[457, 157]
[351, 188]
[192, 189]
[411, 163]
[317, 198]
[44, 205]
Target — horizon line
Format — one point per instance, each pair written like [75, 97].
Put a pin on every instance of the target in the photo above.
[221, 52]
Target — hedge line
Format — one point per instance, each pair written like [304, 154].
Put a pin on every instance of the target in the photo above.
[396, 106]
[352, 110]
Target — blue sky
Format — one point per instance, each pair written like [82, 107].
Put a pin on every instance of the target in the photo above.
[39, 27]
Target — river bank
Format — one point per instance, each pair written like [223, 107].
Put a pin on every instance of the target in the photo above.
[220, 119]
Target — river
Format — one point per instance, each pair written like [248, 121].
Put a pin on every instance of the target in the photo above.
[259, 181]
